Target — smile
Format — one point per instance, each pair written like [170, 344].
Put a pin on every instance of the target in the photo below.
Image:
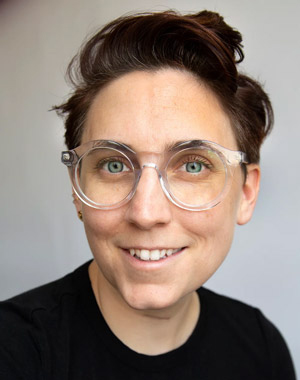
[153, 255]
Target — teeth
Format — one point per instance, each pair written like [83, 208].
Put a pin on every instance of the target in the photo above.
[145, 254]
[163, 252]
[153, 255]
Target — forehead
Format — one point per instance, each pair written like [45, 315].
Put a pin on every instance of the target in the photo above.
[151, 110]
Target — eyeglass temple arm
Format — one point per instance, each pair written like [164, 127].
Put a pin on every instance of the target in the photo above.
[237, 158]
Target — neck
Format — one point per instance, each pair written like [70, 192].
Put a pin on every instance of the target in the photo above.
[149, 332]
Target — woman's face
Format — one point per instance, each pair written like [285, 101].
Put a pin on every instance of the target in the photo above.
[148, 111]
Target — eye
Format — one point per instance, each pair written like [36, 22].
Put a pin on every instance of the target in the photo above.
[193, 164]
[115, 167]
[193, 167]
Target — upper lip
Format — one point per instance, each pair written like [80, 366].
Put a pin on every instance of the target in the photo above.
[152, 248]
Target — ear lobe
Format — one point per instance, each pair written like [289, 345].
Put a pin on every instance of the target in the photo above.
[77, 202]
[249, 194]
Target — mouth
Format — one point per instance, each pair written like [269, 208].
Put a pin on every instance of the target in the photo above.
[153, 254]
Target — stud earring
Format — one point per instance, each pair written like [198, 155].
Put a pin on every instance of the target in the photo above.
[80, 215]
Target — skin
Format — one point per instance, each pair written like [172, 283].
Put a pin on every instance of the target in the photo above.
[157, 300]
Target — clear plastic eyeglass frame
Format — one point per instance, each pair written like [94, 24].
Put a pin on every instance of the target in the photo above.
[156, 160]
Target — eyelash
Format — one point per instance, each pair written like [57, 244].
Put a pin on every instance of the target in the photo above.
[192, 158]
[102, 162]
[202, 160]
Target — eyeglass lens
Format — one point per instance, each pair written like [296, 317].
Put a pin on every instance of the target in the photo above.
[193, 176]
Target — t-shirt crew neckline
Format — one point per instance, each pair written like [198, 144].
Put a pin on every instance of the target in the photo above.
[131, 358]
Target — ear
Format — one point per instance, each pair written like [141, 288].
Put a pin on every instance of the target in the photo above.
[249, 194]
[77, 202]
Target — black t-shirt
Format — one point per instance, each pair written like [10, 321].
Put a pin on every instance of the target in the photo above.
[57, 332]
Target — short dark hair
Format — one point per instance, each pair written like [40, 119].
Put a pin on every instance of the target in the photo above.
[201, 43]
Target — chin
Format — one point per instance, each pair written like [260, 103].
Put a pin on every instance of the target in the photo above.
[151, 297]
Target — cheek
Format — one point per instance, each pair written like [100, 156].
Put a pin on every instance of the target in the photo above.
[211, 225]
[212, 232]
[101, 227]
[102, 224]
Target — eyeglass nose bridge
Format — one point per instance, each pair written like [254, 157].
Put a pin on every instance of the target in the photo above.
[150, 165]
[161, 179]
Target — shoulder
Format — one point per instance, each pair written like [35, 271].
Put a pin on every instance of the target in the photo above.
[248, 325]
[227, 306]
[27, 320]
[42, 298]
[228, 310]
[232, 318]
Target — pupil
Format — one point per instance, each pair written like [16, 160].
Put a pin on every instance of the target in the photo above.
[193, 167]
[115, 167]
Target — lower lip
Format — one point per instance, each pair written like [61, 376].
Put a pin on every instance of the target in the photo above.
[152, 263]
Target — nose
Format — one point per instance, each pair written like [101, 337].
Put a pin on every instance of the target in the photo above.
[149, 206]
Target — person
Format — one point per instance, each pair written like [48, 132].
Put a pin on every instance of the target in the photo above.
[163, 136]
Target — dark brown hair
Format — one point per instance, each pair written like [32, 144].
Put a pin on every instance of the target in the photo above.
[200, 43]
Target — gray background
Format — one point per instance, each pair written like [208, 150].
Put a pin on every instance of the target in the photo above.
[41, 238]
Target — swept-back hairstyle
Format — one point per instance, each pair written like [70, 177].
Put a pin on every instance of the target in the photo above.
[200, 43]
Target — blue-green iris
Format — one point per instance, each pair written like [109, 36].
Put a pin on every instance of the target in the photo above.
[115, 166]
[193, 167]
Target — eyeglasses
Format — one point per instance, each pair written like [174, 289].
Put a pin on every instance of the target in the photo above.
[194, 175]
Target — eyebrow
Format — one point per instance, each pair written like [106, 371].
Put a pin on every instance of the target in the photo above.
[169, 147]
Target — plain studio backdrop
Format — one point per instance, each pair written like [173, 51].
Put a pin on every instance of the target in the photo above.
[41, 237]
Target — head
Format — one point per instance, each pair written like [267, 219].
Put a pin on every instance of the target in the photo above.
[202, 44]
[148, 81]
